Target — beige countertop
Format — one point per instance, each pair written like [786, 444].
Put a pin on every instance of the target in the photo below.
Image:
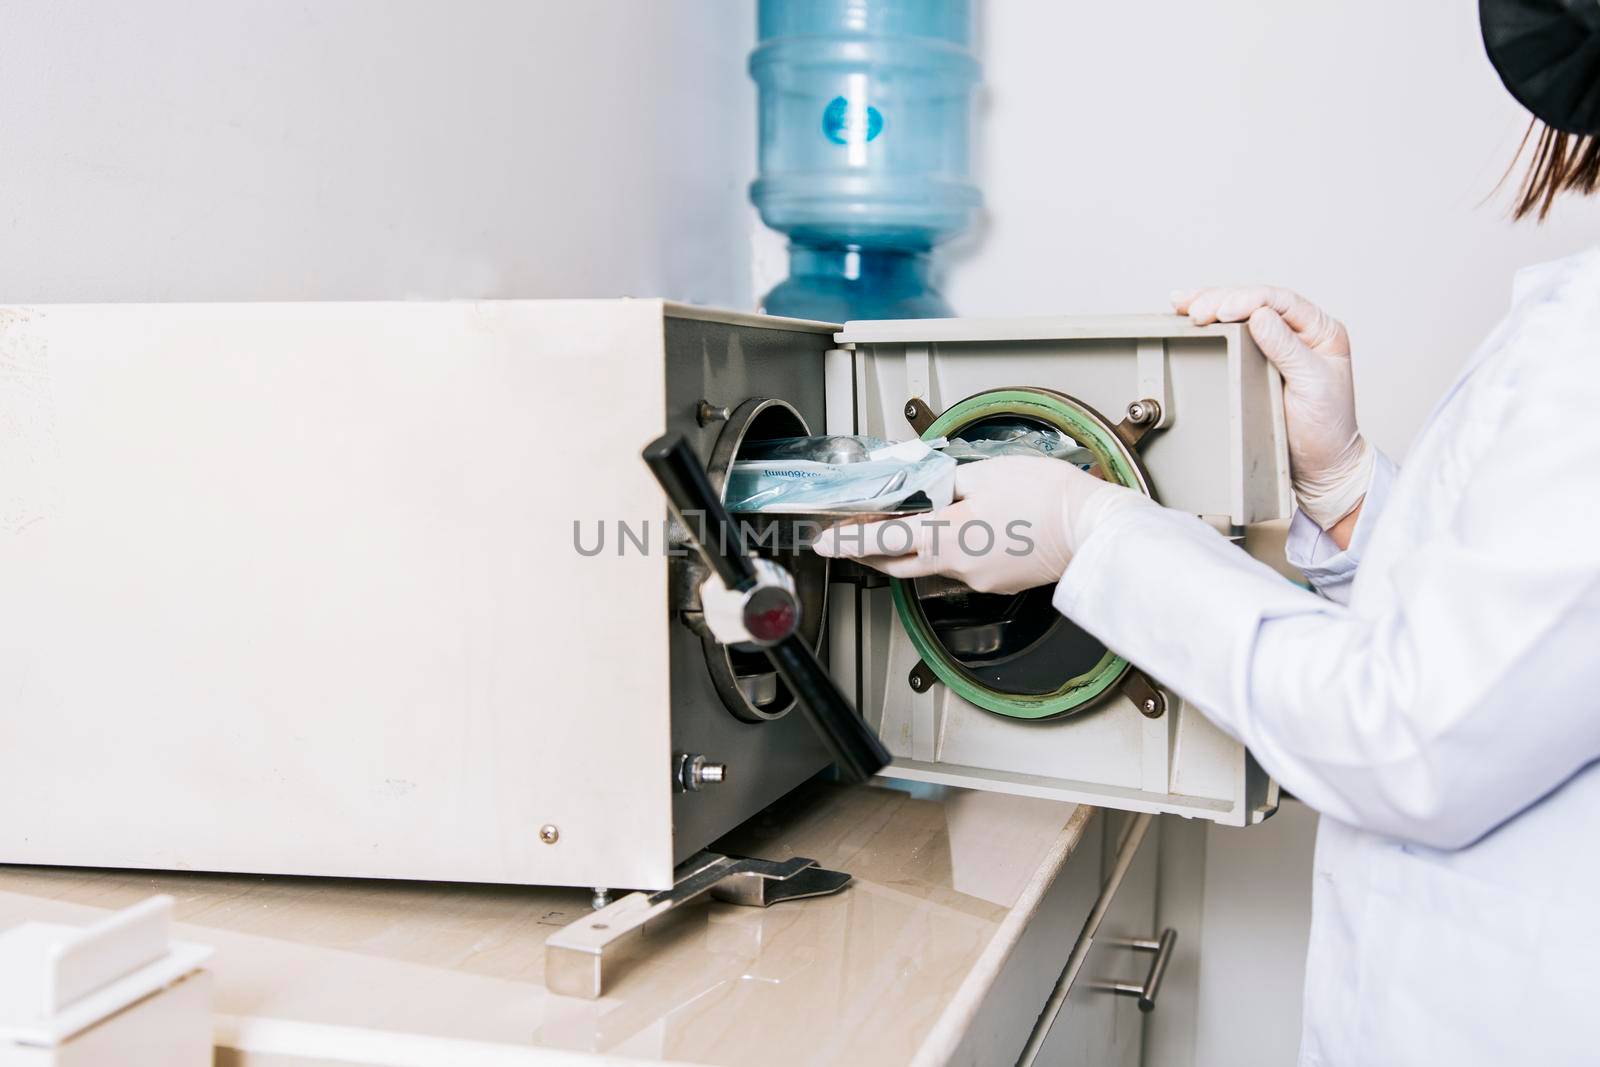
[889, 971]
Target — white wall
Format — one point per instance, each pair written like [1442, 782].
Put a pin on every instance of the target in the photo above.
[1339, 148]
[339, 149]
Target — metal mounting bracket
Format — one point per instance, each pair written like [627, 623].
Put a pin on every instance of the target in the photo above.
[919, 414]
[1151, 702]
[578, 956]
[1142, 417]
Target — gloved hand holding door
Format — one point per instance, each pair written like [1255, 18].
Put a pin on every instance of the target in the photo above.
[1329, 460]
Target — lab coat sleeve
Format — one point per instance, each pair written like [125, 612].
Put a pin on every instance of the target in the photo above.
[1434, 720]
[1330, 570]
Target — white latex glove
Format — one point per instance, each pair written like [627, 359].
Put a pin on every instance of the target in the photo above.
[1329, 461]
[724, 610]
[1016, 522]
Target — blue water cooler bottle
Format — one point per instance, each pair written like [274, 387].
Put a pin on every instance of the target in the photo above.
[866, 112]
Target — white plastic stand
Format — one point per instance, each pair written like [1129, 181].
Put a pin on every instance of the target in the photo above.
[118, 993]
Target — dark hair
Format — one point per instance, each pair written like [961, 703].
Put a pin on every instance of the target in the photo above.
[1562, 162]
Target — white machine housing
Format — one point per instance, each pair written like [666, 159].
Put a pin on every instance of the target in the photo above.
[294, 588]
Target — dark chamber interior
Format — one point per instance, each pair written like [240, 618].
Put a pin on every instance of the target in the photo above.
[1016, 644]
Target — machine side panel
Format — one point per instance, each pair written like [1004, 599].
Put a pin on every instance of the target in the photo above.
[726, 364]
[294, 588]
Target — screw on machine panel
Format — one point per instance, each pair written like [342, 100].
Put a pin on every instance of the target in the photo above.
[1142, 417]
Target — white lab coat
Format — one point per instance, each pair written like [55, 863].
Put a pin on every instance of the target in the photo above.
[1439, 703]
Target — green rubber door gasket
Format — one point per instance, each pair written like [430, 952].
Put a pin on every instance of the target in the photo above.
[1090, 429]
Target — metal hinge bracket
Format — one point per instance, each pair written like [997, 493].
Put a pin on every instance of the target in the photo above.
[578, 956]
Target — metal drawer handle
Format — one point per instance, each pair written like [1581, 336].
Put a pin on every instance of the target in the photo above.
[1146, 992]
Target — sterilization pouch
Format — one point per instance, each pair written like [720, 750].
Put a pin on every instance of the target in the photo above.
[840, 474]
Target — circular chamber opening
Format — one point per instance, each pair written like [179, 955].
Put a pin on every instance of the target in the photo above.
[1015, 655]
[744, 677]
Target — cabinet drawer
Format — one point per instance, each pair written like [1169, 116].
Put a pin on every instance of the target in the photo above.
[1093, 1026]
[1097, 1027]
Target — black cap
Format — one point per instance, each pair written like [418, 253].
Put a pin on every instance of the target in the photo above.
[1548, 54]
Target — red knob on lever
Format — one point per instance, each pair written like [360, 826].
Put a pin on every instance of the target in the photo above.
[771, 614]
